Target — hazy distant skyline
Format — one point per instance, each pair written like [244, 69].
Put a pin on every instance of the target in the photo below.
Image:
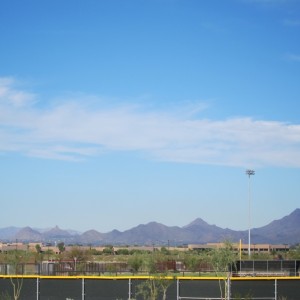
[117, 113]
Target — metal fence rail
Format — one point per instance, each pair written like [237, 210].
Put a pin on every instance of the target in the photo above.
[262, 268]
[266, 268]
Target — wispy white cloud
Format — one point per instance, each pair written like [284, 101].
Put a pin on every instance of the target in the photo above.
[12, 96]
[293, 57]
[73, 130]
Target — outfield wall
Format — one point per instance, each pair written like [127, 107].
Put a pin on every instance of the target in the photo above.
[117, 288]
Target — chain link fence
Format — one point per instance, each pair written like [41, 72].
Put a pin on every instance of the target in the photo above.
[118, 288]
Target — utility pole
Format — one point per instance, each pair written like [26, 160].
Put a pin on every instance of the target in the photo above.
[249, 173]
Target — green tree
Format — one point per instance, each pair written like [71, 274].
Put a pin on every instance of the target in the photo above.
[122, 251]
[158, 282]
[154, 287]
[164, 284]
[135, 261]
[294, 252]
[192, 261]
[156, 262]
[38, 248]
[79, 254]
[221, 259]
[108, 250]
[148, 289]
[16, 259]
[165, 251]
[61, 247]
[17, 284]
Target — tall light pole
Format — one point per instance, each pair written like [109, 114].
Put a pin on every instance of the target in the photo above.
[249, 173]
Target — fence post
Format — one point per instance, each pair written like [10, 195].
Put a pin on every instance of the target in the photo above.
[82, 289]
[228, 288]
[177, 289]
[275, 289]
[129, 288]
[37, 288]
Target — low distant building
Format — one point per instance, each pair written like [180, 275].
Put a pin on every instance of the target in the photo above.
[254, 248]
[5, 247]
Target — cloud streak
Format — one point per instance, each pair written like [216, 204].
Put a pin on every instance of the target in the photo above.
[293, 57]
[74, 130]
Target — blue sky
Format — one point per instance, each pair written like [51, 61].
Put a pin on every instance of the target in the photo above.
[115, 113]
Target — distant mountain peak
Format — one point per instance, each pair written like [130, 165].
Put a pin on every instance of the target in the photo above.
[196, 222]
[56, 232]
[295, 213]
[91, 236]
[28, 234]
[287, 228]
[284, 230]
[154, 224]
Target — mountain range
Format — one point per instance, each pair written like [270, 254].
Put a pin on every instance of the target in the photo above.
[282, 231]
